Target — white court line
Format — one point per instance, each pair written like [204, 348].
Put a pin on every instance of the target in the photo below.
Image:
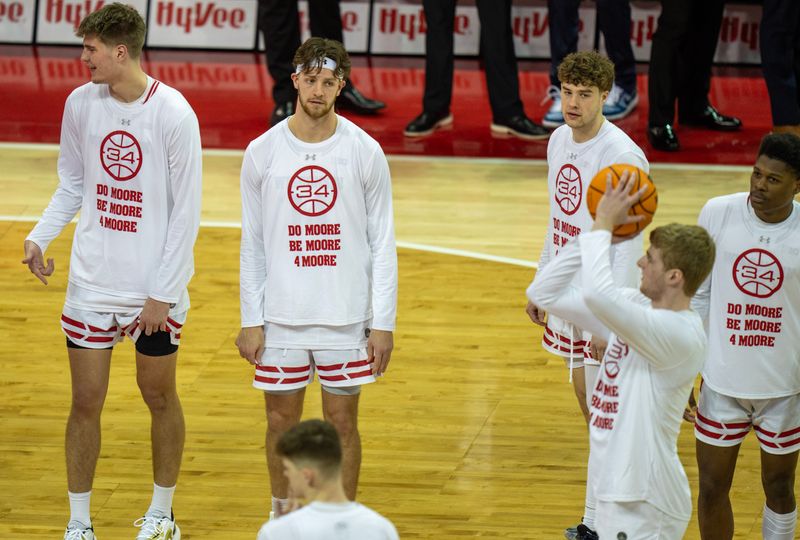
[453, 159]
[400, 243]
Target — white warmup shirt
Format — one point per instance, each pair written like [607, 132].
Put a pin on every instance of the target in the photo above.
[650, 364]
[330, 521]
[571, 167]
[134, 170]
[317, 231]
[751, 301]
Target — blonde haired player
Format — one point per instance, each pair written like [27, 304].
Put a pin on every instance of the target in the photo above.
[318, 261]
[576, 152]
[130, 162]
[312, 464]
[751, 377]
[656, 346]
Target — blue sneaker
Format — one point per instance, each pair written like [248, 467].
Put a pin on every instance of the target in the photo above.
[553, 117]
[619, 103]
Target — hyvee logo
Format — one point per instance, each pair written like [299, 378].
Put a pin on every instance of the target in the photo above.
[199, 15]
[412, 24]
[11, 11]
[532, 25]
[736, 30]
[349, 21]
[73, 12]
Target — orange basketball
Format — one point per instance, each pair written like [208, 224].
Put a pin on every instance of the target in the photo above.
[647, 203]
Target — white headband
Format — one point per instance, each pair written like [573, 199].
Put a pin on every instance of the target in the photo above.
[327, 63]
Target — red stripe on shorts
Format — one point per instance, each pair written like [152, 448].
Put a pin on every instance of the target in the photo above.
[95, 329]
[735, 425]
[76, 335]
[288, 369]
[361, 374]
[73, 322]
[173, 323]
[359, 363]
[561, 348]
[330, 368]
[790, 432]
[332, 377]
[564, 339]
[99, 339]
[767, 443]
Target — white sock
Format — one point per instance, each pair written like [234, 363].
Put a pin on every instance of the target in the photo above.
[161, 505]
[279, 506]
[778, 526]
[79, 508]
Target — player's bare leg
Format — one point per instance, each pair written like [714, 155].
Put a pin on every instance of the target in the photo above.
[156, 378]
[777, 477]
[716, 467]
[342, 412]
[90, 370]
[579, 386]
[283, 412]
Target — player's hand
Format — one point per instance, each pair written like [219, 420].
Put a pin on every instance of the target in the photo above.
[536, 313]
[690, 412]
[598, 348]
[379, 350]
[250, 342]
[35, 261]
[612, 210]
[153, 316]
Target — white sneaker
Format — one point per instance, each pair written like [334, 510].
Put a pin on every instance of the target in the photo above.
[76, 531]
[157, 528]
[553, 117]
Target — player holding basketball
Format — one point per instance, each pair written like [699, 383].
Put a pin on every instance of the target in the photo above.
[318, 261]
[312, 463]
[656, 346]
[576, 152]
[751, 377]
[130, 162]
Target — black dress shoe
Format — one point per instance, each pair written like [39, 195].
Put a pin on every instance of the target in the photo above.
[426, 123]
[280, 112]
[711, 118]
[663, 138]
[520, 126]
[352, 100]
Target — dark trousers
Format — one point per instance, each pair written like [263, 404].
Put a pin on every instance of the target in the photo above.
[497, 51]
[680, 61]
[780, 59]
[614, 21]
[280, 23]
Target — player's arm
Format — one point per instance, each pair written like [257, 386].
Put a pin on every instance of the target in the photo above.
[380, 233]
[66, 200]
[701, 301]
[536, 313]
[252, 263]
[623, 311]
[554, 291]
[185, 182]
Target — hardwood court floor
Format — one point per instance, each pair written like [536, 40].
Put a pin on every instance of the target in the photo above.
[474, 432]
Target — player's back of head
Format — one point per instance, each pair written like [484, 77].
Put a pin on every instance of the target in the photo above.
[313, 443]
[115, 24]
[689, 248]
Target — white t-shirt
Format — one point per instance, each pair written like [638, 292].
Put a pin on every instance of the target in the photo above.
[330, 521]
[571, 167]
[751, 301]
[650, 364]
[134, 170]
[318, 242]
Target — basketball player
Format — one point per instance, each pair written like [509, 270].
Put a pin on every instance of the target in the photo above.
[312, 463]
[656, 346]
[130, 162]
[576, 152]
[318, 261]
[751, 377]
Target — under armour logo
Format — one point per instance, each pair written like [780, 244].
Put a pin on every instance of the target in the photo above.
[125, 122]
[572, 156]
[764, 239]
[311, 156]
